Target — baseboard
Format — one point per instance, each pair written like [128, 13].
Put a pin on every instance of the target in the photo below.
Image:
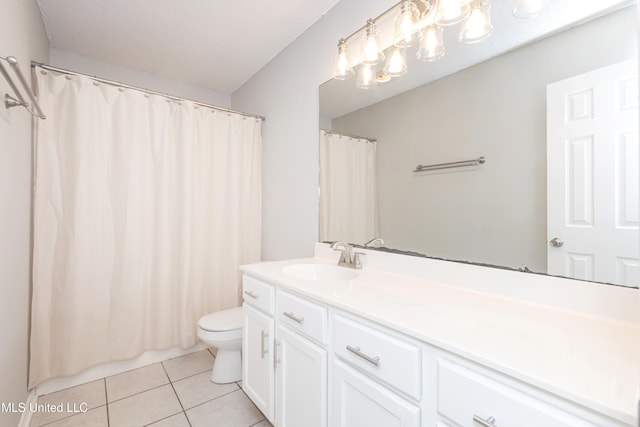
[113, 368]
[25, 418]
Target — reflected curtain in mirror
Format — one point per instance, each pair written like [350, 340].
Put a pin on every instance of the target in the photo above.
[348, 190]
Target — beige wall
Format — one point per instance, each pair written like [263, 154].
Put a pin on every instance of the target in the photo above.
[21, 35]
[494, 214]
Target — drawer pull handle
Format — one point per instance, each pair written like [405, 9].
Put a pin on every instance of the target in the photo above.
[251, 294]
[375, 361]
[293, 317]
[489, 422]
[263, 348]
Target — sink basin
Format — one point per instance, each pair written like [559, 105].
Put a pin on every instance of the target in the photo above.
[319, 272]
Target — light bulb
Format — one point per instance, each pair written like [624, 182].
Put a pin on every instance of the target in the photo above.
[478, 26]
[366, 77]
[342, 65]
[397, 63]
[431, 47]
[405, 33]
[451, 12]
[371, 45]
[527, 9]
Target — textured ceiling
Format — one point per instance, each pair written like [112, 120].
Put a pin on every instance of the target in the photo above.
[217, 44]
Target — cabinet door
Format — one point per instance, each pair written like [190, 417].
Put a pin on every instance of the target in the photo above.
[257, 359]
[301, 381]
[358, 401]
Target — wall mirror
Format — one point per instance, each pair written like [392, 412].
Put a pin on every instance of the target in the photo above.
[558, 193]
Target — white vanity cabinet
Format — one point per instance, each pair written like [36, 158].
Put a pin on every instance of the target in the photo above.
[301, 362]
[284, 356]
[376, 376]
[257, 344]
[310, 359]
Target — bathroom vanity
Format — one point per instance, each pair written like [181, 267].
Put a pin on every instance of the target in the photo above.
[394, 344]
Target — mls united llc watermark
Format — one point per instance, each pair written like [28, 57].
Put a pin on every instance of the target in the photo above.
[68, 407]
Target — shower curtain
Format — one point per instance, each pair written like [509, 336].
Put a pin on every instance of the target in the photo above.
[348, 191]
[144, 209]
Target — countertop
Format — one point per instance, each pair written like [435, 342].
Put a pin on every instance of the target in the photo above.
[593, 361]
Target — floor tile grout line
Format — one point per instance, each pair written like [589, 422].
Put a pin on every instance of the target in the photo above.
[211, 400]
[170, 381]
[140, 392]
[69, 416]
[167, 417]
[106, 400]
[177, 396]
[189, 376]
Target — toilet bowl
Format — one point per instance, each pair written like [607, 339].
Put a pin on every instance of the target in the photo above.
[223, 330]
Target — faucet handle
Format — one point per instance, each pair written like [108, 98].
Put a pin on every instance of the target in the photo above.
[345, 256]
[356, 259]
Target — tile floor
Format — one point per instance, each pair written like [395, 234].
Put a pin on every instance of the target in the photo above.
[174, 393]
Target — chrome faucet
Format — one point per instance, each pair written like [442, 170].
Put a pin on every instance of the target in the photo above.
[348, 257]
[375, 242]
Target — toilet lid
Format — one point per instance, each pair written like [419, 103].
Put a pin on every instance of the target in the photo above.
[225, 320]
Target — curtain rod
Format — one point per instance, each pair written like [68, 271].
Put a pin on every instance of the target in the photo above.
[152, 92]
[349, 135]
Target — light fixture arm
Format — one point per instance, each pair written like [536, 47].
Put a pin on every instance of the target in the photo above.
[377, 18]
[430, 8]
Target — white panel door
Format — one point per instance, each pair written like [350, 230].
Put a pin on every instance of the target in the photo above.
[257, 360]
[301, 381]
[592, 176]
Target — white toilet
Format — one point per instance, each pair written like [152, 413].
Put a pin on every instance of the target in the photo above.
[223, 330]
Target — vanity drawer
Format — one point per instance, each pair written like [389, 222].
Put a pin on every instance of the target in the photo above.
[258, 294]
[465, 395]
[304, 316]
[382, 355]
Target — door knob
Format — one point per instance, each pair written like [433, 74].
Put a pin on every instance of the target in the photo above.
[556, 242]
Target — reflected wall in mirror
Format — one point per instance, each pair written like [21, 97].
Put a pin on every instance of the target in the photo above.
[497, 213]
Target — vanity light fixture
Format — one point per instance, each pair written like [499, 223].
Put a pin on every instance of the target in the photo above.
[396, 64]
[366, 78]
[418, 22]
[431, 45]
[478, 26]
[451, 12]
[408, 16]
[342, 66]
[371, 49]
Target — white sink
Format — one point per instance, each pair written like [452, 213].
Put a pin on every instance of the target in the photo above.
[319, 272]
